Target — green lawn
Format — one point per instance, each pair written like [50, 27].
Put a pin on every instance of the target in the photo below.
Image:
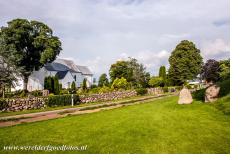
[161, 126]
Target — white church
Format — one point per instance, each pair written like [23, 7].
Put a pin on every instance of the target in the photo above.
[66, 71]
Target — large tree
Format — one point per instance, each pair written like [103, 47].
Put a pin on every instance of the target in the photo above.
[185, 62]
[210, 71]
[103, 80]
[131, 70]
[28, 45]
[7, 75]
[225, 69]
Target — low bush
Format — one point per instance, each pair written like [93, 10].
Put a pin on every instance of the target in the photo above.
[199, 95]
[165, 89]
[64, 91]
[141, 91]
[224, 87]
[3, 104]
[36, 93]
[62, 100]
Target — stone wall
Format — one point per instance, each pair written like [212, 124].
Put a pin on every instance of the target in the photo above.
[155, 91]
[24, 104]
[107, 96]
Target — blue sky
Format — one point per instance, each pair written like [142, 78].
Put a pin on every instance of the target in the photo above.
[96, 33]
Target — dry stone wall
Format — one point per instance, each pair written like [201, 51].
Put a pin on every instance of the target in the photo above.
[107, 96]
[24, 104]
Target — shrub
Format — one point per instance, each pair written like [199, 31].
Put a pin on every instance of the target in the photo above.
[120, 83]
[199, 95]
[224, 88]
[3, 104]
[84, 84]
[62, 100]
[104, 89]
[165, 89]
[64, 91]
[155, 81]
[141, 91]
[36, 93]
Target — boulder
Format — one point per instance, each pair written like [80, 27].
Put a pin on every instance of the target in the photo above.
[185, 97]
[211, 93]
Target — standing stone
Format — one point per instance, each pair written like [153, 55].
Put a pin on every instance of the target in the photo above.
[185, 97]
[211, 93]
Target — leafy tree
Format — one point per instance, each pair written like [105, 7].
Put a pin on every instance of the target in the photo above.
[56, 86]
[155, 81]
[73, 87]
[84, 84]
[185, 63]
[210, 71]
[52, 84]
[131, 70]
[120, 83]
[28, 45]
[103, 80]
[225, 69]
[162, 74]
[7, 75]
[120, 69]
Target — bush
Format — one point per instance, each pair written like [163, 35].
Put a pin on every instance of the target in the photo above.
[155, 81]
[104, 89]
[224, 88]
[3, 104]
[141, 91]
[165, 89]
[36, 93]
[120, 83]
[61, 100]
[199, 95]
[64, 91]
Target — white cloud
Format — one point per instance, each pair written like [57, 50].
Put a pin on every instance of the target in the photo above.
[216, 49]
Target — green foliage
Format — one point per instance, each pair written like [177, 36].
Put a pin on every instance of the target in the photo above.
[36, 93]
[225, 69]
[103, 80]
[155, 81]
[3, 104]
[162, 74]
[52, 84]
[61, 100]
[84, 84]
[141, 91]
[73, 87]
[199, 95]
[165, 89]
[25, 42]
[64, 91]
[105, 89]
[132, 71]
[185, 62]
[56, 85]
[224, 87]
[120, 83]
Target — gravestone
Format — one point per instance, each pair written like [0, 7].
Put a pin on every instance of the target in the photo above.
[211, 93]
[45, 92]
[185, 97]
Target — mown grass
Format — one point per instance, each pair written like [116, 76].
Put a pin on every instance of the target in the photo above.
[160, 126]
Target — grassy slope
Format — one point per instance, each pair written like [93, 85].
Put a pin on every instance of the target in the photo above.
[159, 127]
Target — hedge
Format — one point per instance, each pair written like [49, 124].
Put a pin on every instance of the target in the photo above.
[3, 104]
[141, 91]
[62, 100]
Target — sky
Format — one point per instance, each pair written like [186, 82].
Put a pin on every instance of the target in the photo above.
[97, 33]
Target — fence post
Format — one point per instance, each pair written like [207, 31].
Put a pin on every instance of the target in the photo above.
[72, 99]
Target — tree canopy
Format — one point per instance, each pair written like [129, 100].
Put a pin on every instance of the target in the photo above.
[103, 80]
[185, 62]
[131, 70]
[225, 69]
[28, 45]
[210, 71]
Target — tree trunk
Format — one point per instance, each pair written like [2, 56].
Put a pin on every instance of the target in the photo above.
[25, 81]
